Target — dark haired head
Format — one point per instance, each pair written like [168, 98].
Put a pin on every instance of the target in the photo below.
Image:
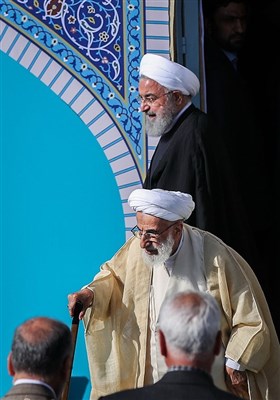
[40, 346]
[210, 6]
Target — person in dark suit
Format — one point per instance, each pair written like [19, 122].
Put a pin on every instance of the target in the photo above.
[237, 105]
[190, 338]
[39, 359]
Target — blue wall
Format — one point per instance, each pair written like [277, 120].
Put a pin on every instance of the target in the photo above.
[61, 213]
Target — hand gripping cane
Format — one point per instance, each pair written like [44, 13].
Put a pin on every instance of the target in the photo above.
[74, 332]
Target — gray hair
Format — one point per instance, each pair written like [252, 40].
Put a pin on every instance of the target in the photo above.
[40, 346]
[190, 322]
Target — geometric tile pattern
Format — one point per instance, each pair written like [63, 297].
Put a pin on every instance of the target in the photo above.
[88, 53]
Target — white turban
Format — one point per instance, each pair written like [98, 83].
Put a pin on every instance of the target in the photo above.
[169, 74]
[160, 203]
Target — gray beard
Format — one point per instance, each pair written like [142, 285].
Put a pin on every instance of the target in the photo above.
[164, 252]
[161, 124]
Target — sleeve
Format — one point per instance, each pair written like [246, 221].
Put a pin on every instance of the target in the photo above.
[245, 314]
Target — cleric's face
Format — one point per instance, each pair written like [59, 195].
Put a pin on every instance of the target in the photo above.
[159, 106]
[158, 238]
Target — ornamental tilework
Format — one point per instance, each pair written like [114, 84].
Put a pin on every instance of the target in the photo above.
[88, 53]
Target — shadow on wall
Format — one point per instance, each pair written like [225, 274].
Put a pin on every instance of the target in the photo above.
[78, 385]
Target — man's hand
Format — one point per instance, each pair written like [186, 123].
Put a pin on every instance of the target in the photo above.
[85, 296]
[236, 382]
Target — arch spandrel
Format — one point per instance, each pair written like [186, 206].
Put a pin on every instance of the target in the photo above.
[88, 53]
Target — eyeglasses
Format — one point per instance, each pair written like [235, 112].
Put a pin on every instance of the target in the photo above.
[149, 234]
[151, 98]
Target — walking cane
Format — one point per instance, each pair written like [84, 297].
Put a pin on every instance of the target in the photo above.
[74, 332]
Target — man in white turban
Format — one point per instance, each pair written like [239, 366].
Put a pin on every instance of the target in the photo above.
[163, 204]
[169, 74]
[121, 305]
[190, 155]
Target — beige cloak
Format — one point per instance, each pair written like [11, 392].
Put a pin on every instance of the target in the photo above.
[116, 325]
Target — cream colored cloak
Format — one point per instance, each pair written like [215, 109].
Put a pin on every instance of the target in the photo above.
[116, 326]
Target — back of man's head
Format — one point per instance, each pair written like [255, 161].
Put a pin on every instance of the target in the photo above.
[40, 347]
[190, 323]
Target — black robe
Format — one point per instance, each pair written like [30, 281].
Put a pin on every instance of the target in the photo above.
[191, 158]
[239, 105]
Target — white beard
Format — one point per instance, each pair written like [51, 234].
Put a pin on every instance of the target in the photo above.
[160, 125]
[164, 252]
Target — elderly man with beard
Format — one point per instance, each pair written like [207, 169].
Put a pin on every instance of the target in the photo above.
[185, 158]
[191, 156]
[121, 305]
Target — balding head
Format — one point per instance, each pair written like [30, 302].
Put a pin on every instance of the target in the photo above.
[41, 348]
